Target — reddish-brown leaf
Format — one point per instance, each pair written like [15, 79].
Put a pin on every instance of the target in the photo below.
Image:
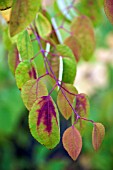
[72, 142]
[97, 135]
[108, 7]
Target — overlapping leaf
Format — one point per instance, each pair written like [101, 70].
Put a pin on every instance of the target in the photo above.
[69, 63]
[31, 91]
[44, 122]
[73, 43]
[24, 45]
[43, 25]
[108, 7]
[97, 135]
[72, 142]
[82, 28]
[5, 4]
[23, 12]
[13, 59]
[24, 72]
[63, 104]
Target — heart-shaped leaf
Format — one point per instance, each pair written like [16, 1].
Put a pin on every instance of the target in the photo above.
[31, 91]
[44, 122]
[72, 142]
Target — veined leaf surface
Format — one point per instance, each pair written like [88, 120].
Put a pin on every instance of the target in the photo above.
[44, 122]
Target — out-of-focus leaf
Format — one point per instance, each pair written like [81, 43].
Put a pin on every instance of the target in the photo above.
[5, 4]
[23, 12]
[43, 25]
[108, 7]
[24, 72]
[44, 122]
[24, 45]
[97, 135]
[13, 59]
[31, 91]
[82, 29]
[63, 104]
[73, 43]
[69, 63]
[72, 142]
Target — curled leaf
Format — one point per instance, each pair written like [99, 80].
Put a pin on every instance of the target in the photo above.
[44, 122]
[72, 142]
[63, 104]
[31, 91]
[97, 135]
[43, 25]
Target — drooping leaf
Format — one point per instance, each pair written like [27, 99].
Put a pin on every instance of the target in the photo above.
[73, 43]
[63, 104]
[44, 122]
[5, 4]
[43, 25]
[23, 12]
[24, 72]
[72, 142]
[24, 45]
[82, 29]
[69, 63]
[92, 9]
[13, 59]
[97, 135]
[31, 91]
[108, 7]
[82, 109]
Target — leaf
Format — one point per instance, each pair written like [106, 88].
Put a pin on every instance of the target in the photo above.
[69, 63]
[43, 25]
[72, 142]
[97, 135]
[44, 122]
[31, 91]
[24, 45]
[23, 12]
[108, 7]
[13, 59]
[5, 4]
[63, 104]
[73, 43]
[82, 109]
[82, 29]
[24, 72]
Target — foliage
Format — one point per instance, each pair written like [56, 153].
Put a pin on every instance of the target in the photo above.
[43, 38]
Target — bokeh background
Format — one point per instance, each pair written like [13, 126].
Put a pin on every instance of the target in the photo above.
[20, 151]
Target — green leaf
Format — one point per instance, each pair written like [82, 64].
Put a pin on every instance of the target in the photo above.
[13, 59]
[72, 142]
[31, 91]
[74, 45]
[24, 72]
[69, 63]
[44, 122]
[43, 25]
[82, 29]
[5, 4]
[97, 135]
[108, 7]
[23, 13]
[24, 45]
[64, 106]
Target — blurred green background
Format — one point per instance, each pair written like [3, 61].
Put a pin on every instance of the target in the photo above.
[18, 149]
